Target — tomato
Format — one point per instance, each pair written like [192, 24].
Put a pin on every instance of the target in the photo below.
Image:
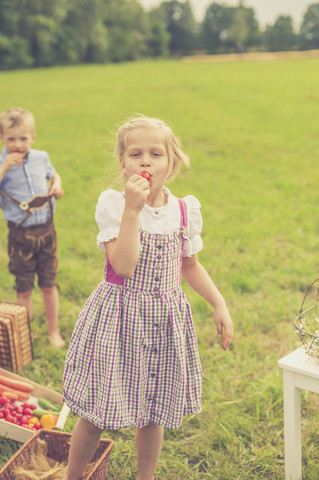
[3, 400]
[30, 427]
[6, 412]
[9, 418]
[37, 425]
[27, 411]
[1, 415]
[19, 409]
[33, 420]
[24, 420]
[146, 175]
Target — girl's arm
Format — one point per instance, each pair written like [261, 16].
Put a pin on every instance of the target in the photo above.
[198, 278]
[123, 251]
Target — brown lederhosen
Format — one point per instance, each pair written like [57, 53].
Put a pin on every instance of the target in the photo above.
[33, 250]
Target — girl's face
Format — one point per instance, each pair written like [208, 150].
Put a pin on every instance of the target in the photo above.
[145, 151]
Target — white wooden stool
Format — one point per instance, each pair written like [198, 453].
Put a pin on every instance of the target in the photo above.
[299, 371]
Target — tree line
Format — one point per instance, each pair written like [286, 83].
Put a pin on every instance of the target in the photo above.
[38, 33]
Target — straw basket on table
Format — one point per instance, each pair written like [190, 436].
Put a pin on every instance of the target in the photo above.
[15, 337]
[57, 446]
[307, 325]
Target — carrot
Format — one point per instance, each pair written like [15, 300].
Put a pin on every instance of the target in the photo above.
[23, 396]
[16, 384]
[9, 395]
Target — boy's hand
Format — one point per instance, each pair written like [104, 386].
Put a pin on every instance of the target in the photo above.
[14, 159]
[55, 187]
[56, 191]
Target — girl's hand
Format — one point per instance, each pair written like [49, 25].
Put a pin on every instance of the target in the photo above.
[224, 322]
[136, 192]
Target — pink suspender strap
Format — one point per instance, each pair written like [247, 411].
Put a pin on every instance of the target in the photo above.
[183, 209]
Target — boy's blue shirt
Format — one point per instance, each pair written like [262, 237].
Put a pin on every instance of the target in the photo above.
[23, 183]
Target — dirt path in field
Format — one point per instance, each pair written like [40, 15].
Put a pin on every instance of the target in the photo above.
[251, 56]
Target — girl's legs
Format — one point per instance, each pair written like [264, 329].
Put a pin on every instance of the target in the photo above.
[85, 440]
[149, 442]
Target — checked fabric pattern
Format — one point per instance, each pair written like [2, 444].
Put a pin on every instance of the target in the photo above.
[133, 356]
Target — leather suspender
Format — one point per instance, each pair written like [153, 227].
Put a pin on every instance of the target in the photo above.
[36, 203]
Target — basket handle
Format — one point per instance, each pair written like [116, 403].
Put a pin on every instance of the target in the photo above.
[308, 290]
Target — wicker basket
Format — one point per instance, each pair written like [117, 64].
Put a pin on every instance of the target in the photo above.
[58, 445]
[15, 337]
[307, 325]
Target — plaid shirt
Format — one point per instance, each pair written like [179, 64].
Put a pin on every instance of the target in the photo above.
[23, 183]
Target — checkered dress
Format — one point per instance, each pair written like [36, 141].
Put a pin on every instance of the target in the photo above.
[133, 356]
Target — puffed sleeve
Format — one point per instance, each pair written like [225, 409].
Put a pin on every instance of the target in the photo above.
[194, 242]
[108, 215]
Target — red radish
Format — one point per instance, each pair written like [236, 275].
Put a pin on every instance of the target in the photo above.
[146, 175]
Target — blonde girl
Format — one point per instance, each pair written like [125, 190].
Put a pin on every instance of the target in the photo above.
[133, 358]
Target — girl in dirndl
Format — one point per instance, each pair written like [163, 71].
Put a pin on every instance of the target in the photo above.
[133, 358]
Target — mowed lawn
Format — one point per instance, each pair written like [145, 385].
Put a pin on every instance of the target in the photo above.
[251, 130]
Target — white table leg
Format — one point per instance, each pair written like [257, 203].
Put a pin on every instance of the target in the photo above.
[292, 426]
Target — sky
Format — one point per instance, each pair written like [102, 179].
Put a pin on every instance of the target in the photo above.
[267, 11]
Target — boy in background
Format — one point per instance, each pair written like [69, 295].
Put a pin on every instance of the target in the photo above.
[32, 247]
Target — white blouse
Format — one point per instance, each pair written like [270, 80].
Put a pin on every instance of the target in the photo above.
[162, 220]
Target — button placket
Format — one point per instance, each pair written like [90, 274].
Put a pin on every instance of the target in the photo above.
[157, 269]
[156, 324]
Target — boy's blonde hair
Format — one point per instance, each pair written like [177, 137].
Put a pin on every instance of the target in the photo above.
[16, 116]
[176, 156]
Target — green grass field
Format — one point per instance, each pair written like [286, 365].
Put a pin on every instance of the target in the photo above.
[252, 132]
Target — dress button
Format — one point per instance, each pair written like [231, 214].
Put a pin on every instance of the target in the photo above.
[152, 375]
[159, 257]
[157, 295]
[156, 289]
[155, 350]
[159, 247]
[156, 324]
[150, 399]
[157, 279]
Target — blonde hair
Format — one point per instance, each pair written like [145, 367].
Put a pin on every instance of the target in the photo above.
[16, 116]
[176, 156]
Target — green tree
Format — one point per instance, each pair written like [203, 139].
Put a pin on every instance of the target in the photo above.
[280, 36]
[180, 24]
[128, 28]
[38, 24]
[239, 31]
[158, 37]
[14, 50]
[309, 30]
[216, 26]
[84, 30]
[14, 53]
